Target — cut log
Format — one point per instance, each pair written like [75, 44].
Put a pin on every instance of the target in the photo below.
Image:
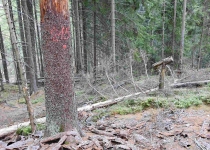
[165, 61]
[13, 128]
[190, 84]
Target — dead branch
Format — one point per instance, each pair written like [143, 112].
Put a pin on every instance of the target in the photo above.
[165, 61]
[190, 84]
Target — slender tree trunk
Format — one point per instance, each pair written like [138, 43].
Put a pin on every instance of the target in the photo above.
[84, 16]
[201, 39]
[182, 35]
[174, 30]
[38, 38]
[1, 80]
[113, 32]
[32, 33]
[163, 30]
[78, 44]
[32, 71]
[200, 46]
[3, 56]
[22, 72]
[23, 41]
[61, 114]
[17, 67]
[94, 41]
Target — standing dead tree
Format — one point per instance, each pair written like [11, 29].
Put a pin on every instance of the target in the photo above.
[163, 64]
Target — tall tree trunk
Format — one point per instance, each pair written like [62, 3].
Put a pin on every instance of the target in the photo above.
[201, 39]
[113, 32]
[39, 45]
[17, 67]
[182, 35]
[61, 114]
[84, 16]
[174, 30]
[3, 56]
[163, 30]
[32, 33]
[23, 40]
[32, 71]
[22, 71]
[78, 44]
[94, 41]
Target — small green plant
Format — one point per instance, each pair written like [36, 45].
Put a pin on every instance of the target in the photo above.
[187, 102]
[40, 127]
[150, 102]
[205, 99]
[79, 93]
[25, 131]
[38, 100]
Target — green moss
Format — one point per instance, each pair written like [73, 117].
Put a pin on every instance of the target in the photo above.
[22, 101]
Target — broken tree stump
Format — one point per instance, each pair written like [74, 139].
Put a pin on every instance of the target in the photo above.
[163, 64]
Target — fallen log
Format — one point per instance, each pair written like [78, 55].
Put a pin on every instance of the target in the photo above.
[13, 128]
[190, 84]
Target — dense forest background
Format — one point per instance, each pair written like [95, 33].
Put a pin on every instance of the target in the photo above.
[145, 32]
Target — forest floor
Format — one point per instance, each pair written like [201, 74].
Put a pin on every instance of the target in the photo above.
[172, 119]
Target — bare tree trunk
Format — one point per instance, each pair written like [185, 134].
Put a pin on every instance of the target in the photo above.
[113, 32]
[3, 56]
[94, 41]
[163, 30]
[1, 80]
[22, 71]
[84, 16]
[39, 45]
[182, 35]
[30, 16]
[61, 114]
[174, 30]
[201, 39]
[78, 44]
[23, 40]
[33, 85]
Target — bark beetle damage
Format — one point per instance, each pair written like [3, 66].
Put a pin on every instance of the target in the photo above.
[57, 6]
[60, 103]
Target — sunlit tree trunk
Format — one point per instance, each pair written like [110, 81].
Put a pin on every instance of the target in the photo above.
[61, 114]
[3, 56]
[182, 35]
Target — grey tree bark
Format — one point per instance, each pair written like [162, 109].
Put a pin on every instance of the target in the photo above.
[182, 35]
[32, 71]
[3, 56]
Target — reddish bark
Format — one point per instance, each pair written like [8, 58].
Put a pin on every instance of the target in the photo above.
[61, 112]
